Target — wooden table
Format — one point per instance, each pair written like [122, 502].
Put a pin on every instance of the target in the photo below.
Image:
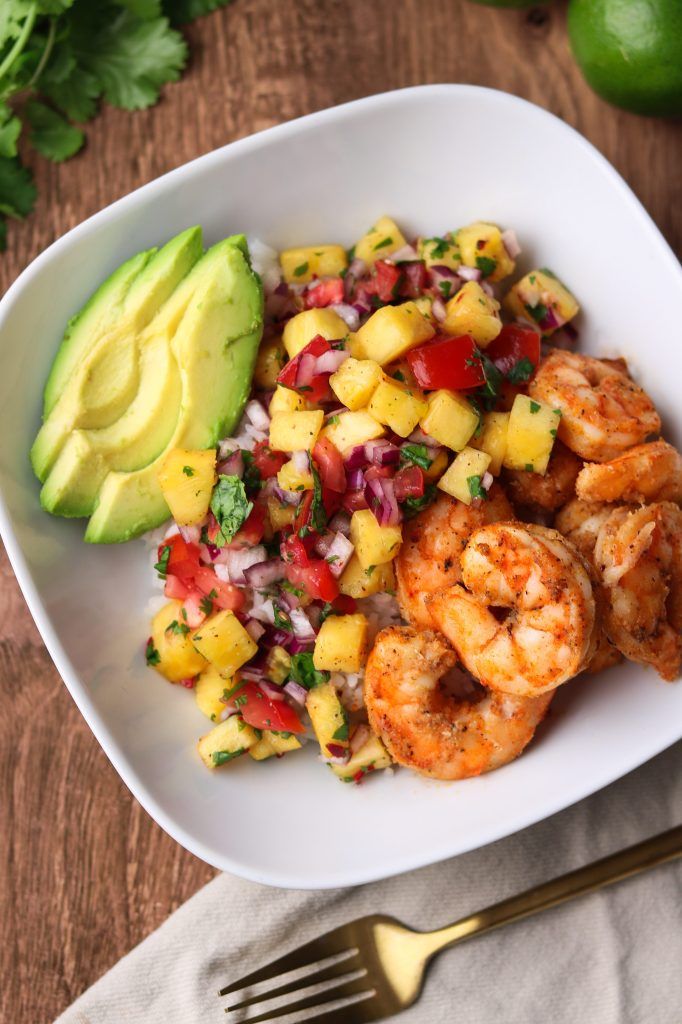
[84, 872]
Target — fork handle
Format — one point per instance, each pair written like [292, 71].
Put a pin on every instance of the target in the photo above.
[661, 848]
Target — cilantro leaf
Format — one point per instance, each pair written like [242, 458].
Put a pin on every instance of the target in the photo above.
[303, 671]
[521, 372]
[182, 11]
[418, 454]
[219, 757]
[413, 506]
[10, 130]
[318, 514]
[476, 489]
[51, 134]
[162, 565]
[17, 191]
[486, 265]
[151, 655]
[145, 9]
[230, 506]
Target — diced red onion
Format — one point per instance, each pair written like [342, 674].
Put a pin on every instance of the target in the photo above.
[469, 273]
[239, 559]
[263, 610]
[338, 754]
[361, 307]
[356, 267]
[329, 362]
[190, 534]
[282, 288]
[314, 613]
[419, 437]
[306, 369]
[382, 453]
[301, 626]
[323, 543]
[263, 573]
[298, 693]
[355, 479]
[275, 638]
[359, 738]
[511, 243]
[550, 320]
[270, 689]
[438, 309]
[286, 497]
[233, 465]
[340, 523]
[257, 415]
[353, 501]
[348, 314]
[339, 554]
[254, 433]
[380, 497]
[297, 646]
[487, 481]
[355, 457]
[254, 673]
[289, 600]
[301, 461]
[227, 446]
[279, 306]
[488, 289]
[254, 628]
[221, 571]
[405, 253]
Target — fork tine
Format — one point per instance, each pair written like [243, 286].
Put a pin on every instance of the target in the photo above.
[317, 949]
[337, 970]
[352, 988]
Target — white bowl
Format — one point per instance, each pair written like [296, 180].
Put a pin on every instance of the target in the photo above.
[432, 157]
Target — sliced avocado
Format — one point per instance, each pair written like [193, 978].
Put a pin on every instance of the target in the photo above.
[215, 343]
[133, 441]
[99, 376]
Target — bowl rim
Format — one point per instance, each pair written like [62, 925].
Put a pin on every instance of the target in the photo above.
[78, 690]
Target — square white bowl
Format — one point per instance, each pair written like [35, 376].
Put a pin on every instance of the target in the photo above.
[432, 157]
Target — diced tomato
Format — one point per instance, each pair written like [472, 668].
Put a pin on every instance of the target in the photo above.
[331, 501]
[414, 279]
[452, 363]
[262, 712]
[293, 551]
[183, 558]
[354, 501]
[254, 528]
[378, 472]
[223, 594]
[344, 605]
[192, 611]
[327, 293]
[316, 578]
[314, 387]
[329, 462]
[302, 518]
[513, 344]
[267, 462]
[387, 281]
[408, 483]
[175, 589]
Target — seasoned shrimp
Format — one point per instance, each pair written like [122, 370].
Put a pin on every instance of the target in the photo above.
[580, 522]
[548, 492]
[433, 543]
[647, 472]
[549, 633]
[424, 726]
[639, 555]
[603, 411]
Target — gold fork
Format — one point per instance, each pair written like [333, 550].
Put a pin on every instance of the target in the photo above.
[382, 963]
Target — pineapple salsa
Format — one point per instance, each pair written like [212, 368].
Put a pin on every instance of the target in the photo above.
[385, 374]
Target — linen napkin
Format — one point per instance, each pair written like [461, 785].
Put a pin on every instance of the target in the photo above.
[614, 957]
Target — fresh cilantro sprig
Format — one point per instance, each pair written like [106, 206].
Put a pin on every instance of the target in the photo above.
[60, 58]
[230, 506]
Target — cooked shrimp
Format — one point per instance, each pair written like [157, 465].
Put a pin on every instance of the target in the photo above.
[639, 555]
[580, 522]
[603, 411]
[647, 472]
[433, 543]
[424, 726]
[549, 634]
[548, 492]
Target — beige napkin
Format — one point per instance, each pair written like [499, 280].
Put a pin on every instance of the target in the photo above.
[611, 958]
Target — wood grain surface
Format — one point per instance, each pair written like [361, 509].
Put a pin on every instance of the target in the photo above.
[84, 872]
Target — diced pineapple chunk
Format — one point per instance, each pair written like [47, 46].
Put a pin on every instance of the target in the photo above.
[171, 652]
[439, 252]
[291, 478]
[305, 326]
[286, 400]
[226, 741]
[224, 642]
[186, 479]
[493, 439]
[380, 241]
[269, 362]
[352, 428]
[402, 372]
[272, 743]
[302, 264]
[209, 688]
[277, 665]
[374, 544]
[451, 419]
[531, 434]
[280, 514]
[295, 431]
[482, 247]
[328, 717]
[463, 479]
[358, 582]
[355, 381]
[399, 407]
[541, 298]
[390, 332]
[341, 644]
[437, 467]
[473, 312]
[372, 756]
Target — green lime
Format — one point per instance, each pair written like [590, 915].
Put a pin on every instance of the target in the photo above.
[630, 51]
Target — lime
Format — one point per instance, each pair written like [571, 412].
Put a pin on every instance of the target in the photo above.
[630, 51]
